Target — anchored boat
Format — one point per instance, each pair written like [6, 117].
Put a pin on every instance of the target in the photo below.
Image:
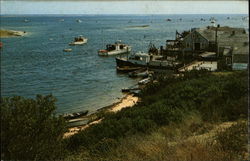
[79, 41]
[115, 49]
[67, 50]
[141, 59]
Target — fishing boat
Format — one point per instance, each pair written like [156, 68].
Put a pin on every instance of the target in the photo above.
[149, 60]
[79, 41]
[127, 68]
[115, 49]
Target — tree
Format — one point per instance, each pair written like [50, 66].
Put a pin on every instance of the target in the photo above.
[30, 130]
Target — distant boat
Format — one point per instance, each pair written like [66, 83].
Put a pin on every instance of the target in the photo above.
[127, 68]
[79, 21]
[25, 20]
[79, 41]
[67, 50]
[61, 20]
[168, 19]
[115, 49]
[1, 45]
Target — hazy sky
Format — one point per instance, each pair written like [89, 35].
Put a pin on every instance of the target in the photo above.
[122, 7]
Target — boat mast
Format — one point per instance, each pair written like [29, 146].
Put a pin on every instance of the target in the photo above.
[102, 38]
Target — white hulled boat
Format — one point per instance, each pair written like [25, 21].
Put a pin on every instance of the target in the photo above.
[79, 41]
[115, 49]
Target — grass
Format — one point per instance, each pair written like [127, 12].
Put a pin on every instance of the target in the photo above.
[177, 120]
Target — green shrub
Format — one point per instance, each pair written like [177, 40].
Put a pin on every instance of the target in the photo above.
[169, 101]
[30, 130]
[234, 139]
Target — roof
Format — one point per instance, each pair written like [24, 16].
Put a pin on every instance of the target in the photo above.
[223, 33]
[236, 38]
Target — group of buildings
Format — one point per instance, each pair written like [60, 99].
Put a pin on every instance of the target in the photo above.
[211, 48]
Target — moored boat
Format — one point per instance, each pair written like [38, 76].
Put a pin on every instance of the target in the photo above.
[79, 21]
[79, 41]
[142, 59]
[127, 68]
[67, 50]
[115, 49]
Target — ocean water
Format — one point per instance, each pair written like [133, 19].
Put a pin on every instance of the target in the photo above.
[82, 80]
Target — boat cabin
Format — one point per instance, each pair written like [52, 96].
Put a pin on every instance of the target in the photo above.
[116, 46]
[77, 39]
[143, 57]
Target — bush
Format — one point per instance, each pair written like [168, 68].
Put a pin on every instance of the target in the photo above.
[234, 139]
[30, 130]
[169, 101]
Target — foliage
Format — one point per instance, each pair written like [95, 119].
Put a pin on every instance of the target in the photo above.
[234, 139]
[30, 130]
[215, 97]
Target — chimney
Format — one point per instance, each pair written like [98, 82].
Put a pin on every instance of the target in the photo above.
[216, 38]
[233, 33]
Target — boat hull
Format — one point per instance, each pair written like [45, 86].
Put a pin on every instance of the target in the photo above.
[78, 43]
[121, 62]
[115, 52]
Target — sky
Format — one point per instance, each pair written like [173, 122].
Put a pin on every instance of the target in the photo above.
[122, 7]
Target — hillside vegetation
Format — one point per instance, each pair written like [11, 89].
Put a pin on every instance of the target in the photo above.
[197, 116]
[164, 125]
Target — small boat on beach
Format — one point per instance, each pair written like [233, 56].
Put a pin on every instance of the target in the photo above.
[115, 49]
[75, 115]
[139, 73]
[79, 41]
[144, 81]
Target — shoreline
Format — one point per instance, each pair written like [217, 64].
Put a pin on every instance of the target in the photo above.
[11, 33]
[129, 100]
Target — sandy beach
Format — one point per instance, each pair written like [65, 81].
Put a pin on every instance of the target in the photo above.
[11, 33]
[127, 101]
